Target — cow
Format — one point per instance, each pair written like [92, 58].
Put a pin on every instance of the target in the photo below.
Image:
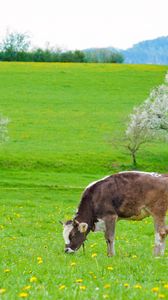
[128, 195]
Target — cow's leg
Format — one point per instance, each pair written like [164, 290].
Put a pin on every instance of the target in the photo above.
[161, 230]
[110, 222]
[166, 230]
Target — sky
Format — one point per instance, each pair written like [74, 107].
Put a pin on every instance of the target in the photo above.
[76, 24]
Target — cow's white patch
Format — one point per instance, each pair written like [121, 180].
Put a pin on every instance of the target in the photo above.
[158, 239]
[69, 250]
[92, 183]
[100, 225]
[66, 232]
[159, 244]
[153, 174]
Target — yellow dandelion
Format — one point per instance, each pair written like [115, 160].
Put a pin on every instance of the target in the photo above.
[166, 286]
[23, 295]
[134, 256]
[137, 286]
[40, 261]
[94, 276]
[61, 287]
[161, 296]
[7, 270]
[155, 289]
[26, 288]
[72, 264]
[110, 268]
[82, 287]
[126, 285]
[33, 279]
[2, 291]
[107, 286]
[79, 280]
[94, 255]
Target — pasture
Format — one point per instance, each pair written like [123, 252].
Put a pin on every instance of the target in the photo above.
[64, 118]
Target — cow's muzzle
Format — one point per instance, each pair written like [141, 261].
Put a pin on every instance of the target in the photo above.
[69, 250]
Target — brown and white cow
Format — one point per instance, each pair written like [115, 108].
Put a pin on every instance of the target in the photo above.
[126, 195]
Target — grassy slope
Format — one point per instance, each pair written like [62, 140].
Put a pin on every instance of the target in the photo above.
[64, 115]
[62, 118]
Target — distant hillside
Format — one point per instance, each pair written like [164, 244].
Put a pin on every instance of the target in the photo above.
[148, 52]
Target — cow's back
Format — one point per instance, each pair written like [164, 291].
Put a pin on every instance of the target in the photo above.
[129, 194]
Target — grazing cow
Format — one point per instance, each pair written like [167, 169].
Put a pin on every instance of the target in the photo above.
[125, 195]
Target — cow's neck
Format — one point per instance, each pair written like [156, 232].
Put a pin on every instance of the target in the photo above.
[85, 211]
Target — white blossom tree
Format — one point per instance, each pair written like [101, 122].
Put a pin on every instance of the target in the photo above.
[3, 129]
[148, 121]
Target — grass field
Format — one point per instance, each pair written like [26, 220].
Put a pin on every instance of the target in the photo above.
[64, 118]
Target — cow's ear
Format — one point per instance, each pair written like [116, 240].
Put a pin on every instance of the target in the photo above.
[82, 227]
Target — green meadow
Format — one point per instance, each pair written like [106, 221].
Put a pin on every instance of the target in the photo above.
[65, 120]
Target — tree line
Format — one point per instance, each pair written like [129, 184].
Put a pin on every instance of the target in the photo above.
[16, 47]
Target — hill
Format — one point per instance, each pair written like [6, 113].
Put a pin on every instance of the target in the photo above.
[148, 52]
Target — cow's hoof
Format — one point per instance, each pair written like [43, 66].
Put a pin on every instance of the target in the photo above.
[110, 254]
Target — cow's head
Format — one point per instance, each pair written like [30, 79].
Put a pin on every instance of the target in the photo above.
[74, 234]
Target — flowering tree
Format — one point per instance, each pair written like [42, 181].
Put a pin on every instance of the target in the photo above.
[149, 120]
[3, 129]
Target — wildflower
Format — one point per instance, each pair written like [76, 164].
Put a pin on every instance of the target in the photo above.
[155, 289]
[126, 285]
[7, 270]
[39, 260]
[73, 264]
[134, 256]
[166, 286]
[137, 286]
[25, 288]
[62, 287]
[33, 279]
[79, 280]
[23, 295]
[2, 291]
[110, 268]
[107, 286]
[82, 287]
[94, 255]
[161, 296]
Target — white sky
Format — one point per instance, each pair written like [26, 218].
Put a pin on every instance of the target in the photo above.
[76, 24]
